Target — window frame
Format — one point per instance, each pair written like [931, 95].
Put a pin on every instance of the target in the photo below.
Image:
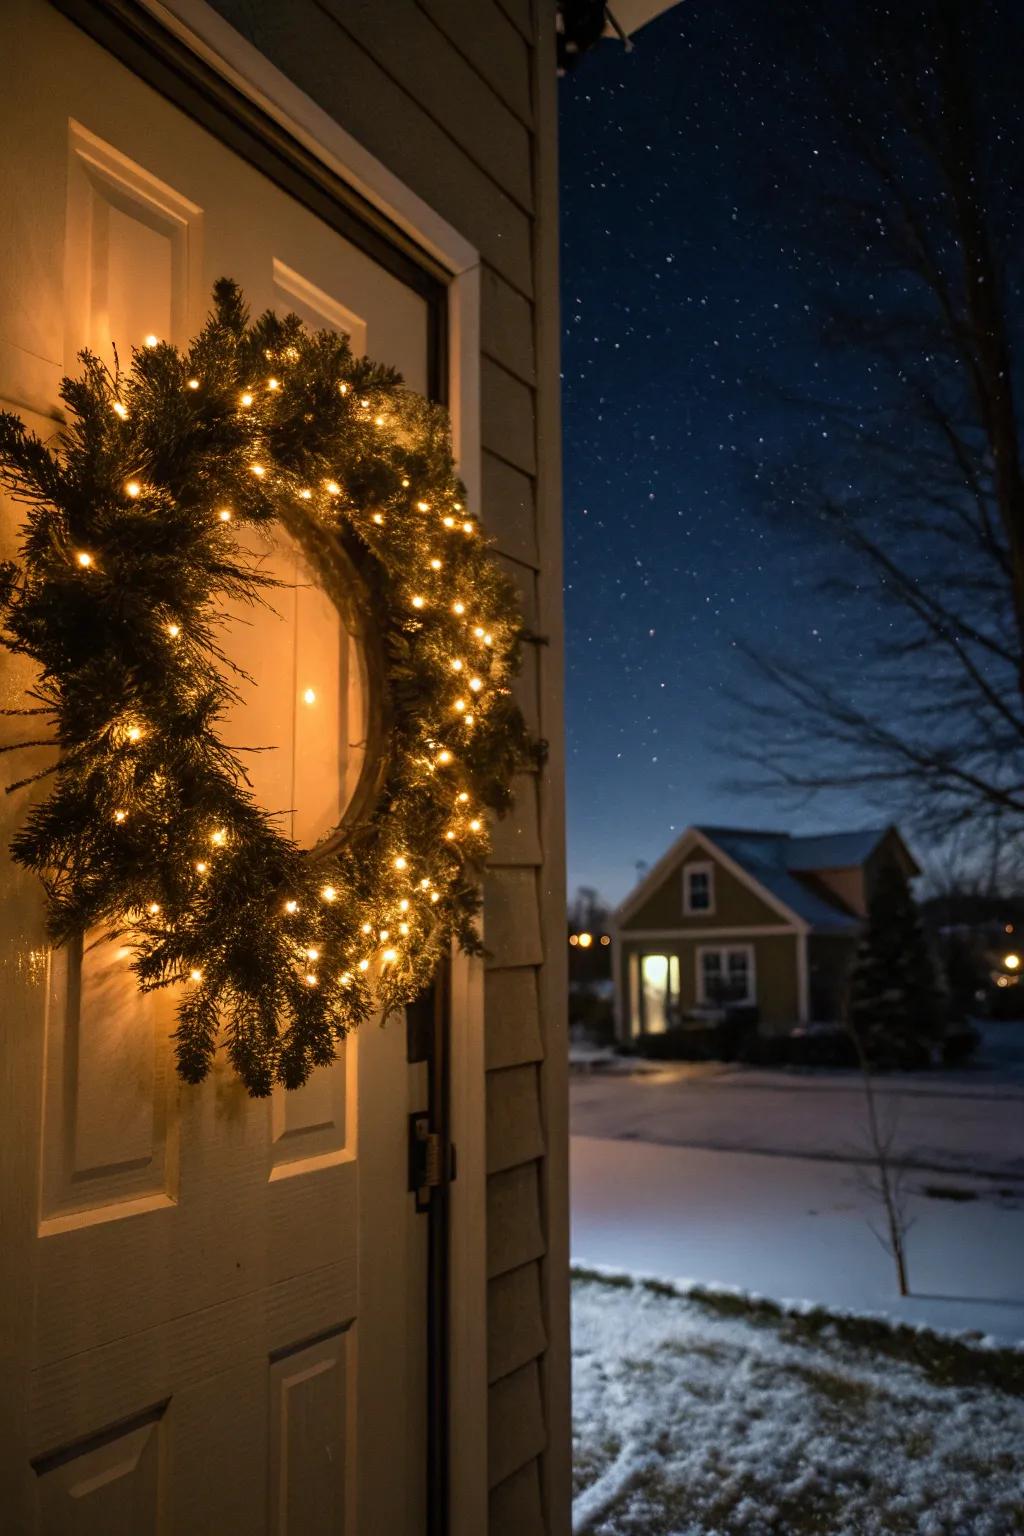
[723, 950]
[703, 867]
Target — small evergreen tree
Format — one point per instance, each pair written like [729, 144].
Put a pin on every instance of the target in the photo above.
[897, 1009]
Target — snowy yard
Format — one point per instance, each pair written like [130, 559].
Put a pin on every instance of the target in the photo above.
[704, 1417]
[756, 1179]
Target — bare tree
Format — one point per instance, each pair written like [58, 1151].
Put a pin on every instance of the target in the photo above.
[912, 470]
[884, 1177]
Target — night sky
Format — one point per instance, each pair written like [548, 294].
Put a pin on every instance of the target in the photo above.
[684, 289]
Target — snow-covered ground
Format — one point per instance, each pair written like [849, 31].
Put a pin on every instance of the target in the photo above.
[756, 1179]
[689, 1423]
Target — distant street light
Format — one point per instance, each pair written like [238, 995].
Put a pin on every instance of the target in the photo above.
[1012, 962]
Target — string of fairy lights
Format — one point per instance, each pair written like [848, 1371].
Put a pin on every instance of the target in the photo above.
[279, 952]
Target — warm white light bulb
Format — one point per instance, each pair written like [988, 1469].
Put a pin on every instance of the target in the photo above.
[458, 607]
[456, 665]
[310, 979]
[153, 908]
[435, 895]
[120, 815]
[120, 410]
[389, 956]
[418, 602]
[152, 341]
[134, 733]
[333, 488]
[247, 398]
[306, 495]
[444, 756]
[195, 975]
[449, 522]
[201, 867]
[83, 559]
[459, 705]
[219, 837]
[309, 696]
[257, 470]
[291, 907]
[312, 954]
[174, 630]
[401, 863]
[133, 488]
[475, 825]
[463, 797]
[364, 965]
[435, 565]
[193, 383]
[273, 384]
[225, 514]
[328, 893]
[476, 684]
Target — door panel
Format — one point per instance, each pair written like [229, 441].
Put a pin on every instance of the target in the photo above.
[197, 1348]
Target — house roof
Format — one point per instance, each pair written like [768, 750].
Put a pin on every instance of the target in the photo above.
[782, 866]
[776, 861]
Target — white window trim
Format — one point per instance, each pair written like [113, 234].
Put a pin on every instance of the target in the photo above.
[724, 949]
[705, 867]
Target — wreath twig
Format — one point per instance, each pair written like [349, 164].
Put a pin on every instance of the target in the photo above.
[128, 551]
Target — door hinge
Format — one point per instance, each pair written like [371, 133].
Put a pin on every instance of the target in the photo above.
[426, 1171]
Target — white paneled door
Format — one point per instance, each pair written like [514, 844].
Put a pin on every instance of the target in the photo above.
[216, 1306]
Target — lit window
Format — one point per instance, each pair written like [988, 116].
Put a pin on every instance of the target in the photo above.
[699, 888]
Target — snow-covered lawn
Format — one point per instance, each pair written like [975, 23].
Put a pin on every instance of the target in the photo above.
[707, 1417]
[798, 1228]
[757, 1179]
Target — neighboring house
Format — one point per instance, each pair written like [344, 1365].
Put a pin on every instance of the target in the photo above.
[223, 1315]
[760, 921]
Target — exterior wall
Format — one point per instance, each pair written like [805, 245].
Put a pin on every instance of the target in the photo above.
[890, 850]
[847, 884]
[775, 962]
[735, 904]
[829, 958]
[458, 101]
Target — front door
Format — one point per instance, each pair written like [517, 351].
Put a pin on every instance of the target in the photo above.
[218, 1305]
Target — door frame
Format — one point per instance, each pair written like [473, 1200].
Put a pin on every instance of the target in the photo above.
[198, 61]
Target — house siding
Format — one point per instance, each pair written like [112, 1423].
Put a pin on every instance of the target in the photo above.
[735, 904]
[775, 962]
[829, 959]
[458, 101]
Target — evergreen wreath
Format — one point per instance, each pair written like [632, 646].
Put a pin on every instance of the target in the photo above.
[128, 547]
